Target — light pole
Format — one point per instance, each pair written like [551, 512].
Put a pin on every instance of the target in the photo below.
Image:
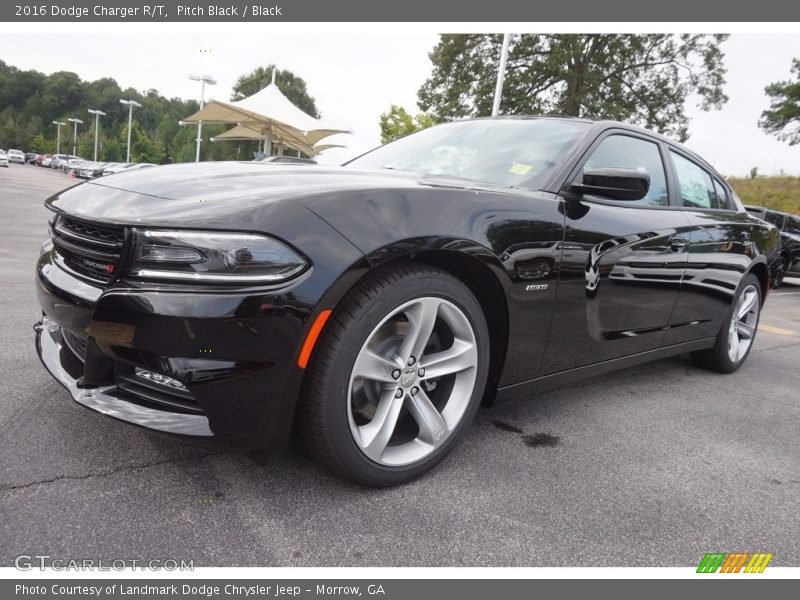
[130, 104]
[203, 79]
[75, 135]
[97, 114]
[58, 135]
[501, 74]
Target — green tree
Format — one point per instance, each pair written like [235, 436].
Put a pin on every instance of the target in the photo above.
[398, 122]
[641, 79]
[41, 145]
[85, 143]
[782, 118]
[30, 101]
[293, 87]
[111, 150]
[144, 148]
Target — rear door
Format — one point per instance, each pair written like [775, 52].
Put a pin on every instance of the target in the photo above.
[619, 283]
[720, 251]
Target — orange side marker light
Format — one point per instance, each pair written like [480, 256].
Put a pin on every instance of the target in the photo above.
[311, 338]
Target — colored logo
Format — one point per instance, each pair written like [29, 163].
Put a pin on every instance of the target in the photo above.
[734, 562]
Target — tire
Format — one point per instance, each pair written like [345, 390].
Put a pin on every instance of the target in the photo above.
[728, 354]
[348, 394]
[780, 272]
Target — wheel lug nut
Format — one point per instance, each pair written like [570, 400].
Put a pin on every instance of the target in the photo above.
[396, 374]
[398, 393]
[411, 361]
[421, 372]
[414, 391]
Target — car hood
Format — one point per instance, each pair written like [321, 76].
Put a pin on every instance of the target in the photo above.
[192, 194]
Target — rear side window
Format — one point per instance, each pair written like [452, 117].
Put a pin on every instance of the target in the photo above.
[793, 225]
[775, 218]
[625, 152]
[696, 185]
[721, 195]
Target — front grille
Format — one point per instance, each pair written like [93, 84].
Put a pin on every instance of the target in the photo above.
[91, 250]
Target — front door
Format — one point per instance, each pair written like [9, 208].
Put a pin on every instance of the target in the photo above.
[616, 295]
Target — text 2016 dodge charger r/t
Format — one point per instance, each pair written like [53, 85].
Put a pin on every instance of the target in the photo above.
[378, 304]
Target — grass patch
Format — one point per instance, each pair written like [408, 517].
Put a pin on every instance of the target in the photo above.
[780, 193]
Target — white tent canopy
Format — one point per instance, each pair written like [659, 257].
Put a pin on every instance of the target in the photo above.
[271, 116]
[253, 132]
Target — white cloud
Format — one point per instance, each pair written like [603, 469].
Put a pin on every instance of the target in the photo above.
[355, 75]
[730, 138]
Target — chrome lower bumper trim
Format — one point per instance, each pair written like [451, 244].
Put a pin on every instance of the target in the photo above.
[49, 343]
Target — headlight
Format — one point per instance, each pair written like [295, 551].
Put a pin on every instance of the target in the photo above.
[216, 257]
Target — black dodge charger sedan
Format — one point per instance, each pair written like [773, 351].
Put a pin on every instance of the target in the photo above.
[373, 307]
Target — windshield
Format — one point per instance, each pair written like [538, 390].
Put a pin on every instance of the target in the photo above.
[509, 152]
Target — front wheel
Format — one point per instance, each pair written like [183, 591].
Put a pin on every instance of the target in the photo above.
[397, 376]
[735, 339]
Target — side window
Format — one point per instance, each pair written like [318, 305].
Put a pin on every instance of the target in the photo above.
[721, 195]
[625, 152]
[775, 218]
[793, 225]
[757, 212]
[696, 186]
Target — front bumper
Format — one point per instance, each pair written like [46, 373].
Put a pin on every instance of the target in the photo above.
[55, 356]
[235, 355]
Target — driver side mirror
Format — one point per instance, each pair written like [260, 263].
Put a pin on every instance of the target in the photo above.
[613, 183]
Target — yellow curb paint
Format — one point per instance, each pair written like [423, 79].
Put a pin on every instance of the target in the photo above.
[778, 330]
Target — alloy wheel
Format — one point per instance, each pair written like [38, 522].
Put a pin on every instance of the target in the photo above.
[412, 381]
[743, 323]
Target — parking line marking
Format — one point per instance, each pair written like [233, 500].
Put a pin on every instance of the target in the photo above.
[778, 330]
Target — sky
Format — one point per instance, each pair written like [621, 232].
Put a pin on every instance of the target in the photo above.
[355, 76]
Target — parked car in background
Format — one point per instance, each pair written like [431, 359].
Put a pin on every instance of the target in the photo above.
[16, 156]
[46, 160]
[99, 169]
[73, 166]
[60, 159]
[90, 169]
[30, 157]
[788, 260]
[84, 169]
[3, 159]
[40, 159]
[378, 304]
[117, 168]
[55, 162]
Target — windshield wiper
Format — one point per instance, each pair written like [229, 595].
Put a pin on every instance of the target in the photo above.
[467, 180]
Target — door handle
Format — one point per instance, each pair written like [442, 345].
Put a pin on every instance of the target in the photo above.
[677, 242]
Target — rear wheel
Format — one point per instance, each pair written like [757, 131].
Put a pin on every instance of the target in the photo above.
[735, 339]
[397, 376]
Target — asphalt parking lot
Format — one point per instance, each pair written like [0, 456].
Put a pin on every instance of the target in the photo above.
[652, 467]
